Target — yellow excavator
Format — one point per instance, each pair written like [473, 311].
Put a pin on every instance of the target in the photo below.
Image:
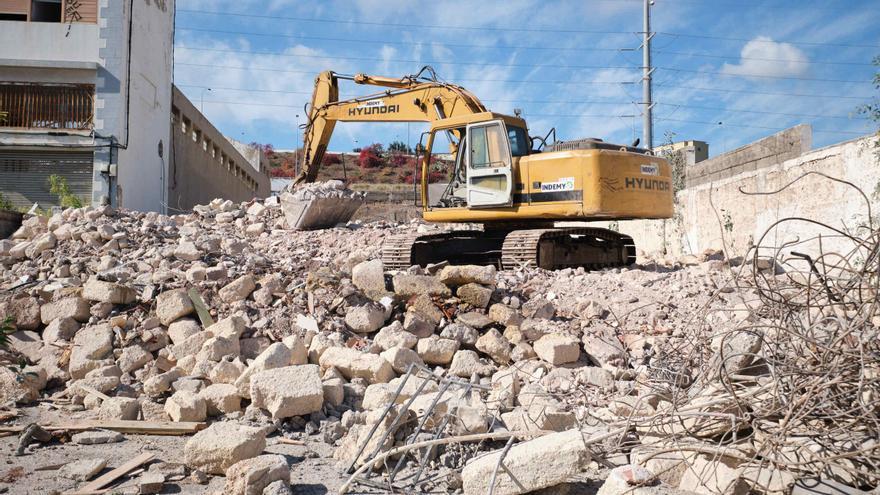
[515, 185]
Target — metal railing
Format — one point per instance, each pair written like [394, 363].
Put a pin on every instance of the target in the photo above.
[47, 106]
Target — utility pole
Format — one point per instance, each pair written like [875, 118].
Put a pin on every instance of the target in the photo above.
[647, 70]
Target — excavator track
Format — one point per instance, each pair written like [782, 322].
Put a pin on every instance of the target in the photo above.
[550, 248]
[591, 248]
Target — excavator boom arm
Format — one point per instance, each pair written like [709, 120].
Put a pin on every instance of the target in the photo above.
[411, 100]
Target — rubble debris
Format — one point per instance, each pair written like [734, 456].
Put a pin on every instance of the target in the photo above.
[140, 323]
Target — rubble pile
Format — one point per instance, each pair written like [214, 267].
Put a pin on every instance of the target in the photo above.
[682, 370]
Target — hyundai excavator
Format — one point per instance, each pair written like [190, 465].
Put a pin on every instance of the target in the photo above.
[515, 185]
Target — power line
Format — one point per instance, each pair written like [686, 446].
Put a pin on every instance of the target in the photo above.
[516, 47]
[267, 69]
[567, 116]
[417, 62]
[762, 76]
[529, 66]
[736, 57]
[409, 43]
[398, 25]
[753, 40]
[566, 102]
[514, 28]
[766, 93]
[557, 81]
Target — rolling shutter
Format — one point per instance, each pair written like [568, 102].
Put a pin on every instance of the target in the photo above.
[24, 175]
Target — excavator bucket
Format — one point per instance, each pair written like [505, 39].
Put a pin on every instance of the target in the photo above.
[319, 205]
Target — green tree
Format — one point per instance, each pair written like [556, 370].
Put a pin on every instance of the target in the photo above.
[58, 186]
[399, 147]
[872, 111]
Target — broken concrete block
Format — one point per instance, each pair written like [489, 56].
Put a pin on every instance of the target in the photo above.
[495, 346]
[89, 345]
[216, 348]
[186, 406]
[276, 355]
[191, 345]
[14, 389]
[123, 408]
[238, 290]
[216, 448]
[182, 329]
[418, 325]
[395, 336]
[401, 358]
[82, 470]
[538, 308]
[474, 319]
[60, 329]
[706, 475]
[187, 251]
[355, 364]
[109, 292]
[436, 350]
[97, 437]
[466, 363]
[69, 307]
[226, 371]
[605, 349]
[545, 461]
[474, 294]
[456, 275]
[505, 315]
[365, 319]
[369, 276]
[461, 332]
[221, 398]
[151, 483]
[231, 327]
[252, 476]
[172, 305]
[407, 286]
[289, 391]
[629, 480]
[539, 417]
[557, 349]
[25, 312]
[133, 358]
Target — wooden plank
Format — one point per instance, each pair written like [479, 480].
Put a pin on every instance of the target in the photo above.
[201, 309]
[122, 426]
[113, 475]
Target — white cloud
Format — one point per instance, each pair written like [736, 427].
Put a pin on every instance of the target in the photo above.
[387, 53]
[764, 57]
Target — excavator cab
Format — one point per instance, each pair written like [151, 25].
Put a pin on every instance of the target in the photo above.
[485, 155]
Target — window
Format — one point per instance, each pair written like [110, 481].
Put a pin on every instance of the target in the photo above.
[519, 141]
[487, 147]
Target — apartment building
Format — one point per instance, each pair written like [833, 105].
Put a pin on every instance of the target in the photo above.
[86, 87]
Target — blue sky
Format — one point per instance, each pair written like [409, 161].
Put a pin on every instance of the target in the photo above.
[728, 71]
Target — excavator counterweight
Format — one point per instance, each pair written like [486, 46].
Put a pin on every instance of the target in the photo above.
[499, 179]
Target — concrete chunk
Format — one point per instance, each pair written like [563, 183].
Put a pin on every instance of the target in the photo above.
[173, 305]
[539, 463]
[289, 391]
[216, 448]
[354, 364]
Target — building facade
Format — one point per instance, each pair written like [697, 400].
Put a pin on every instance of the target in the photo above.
[87, 91]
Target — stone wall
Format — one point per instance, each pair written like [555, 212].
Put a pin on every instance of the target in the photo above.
[716, 213]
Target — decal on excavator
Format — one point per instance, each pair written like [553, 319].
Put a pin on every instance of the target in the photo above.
[563, 184]
[373, 107]
[646, 184]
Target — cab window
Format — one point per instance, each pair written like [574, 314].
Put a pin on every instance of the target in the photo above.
[486, 145]
[519, 141]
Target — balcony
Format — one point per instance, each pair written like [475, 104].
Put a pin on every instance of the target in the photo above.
[47, 106]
